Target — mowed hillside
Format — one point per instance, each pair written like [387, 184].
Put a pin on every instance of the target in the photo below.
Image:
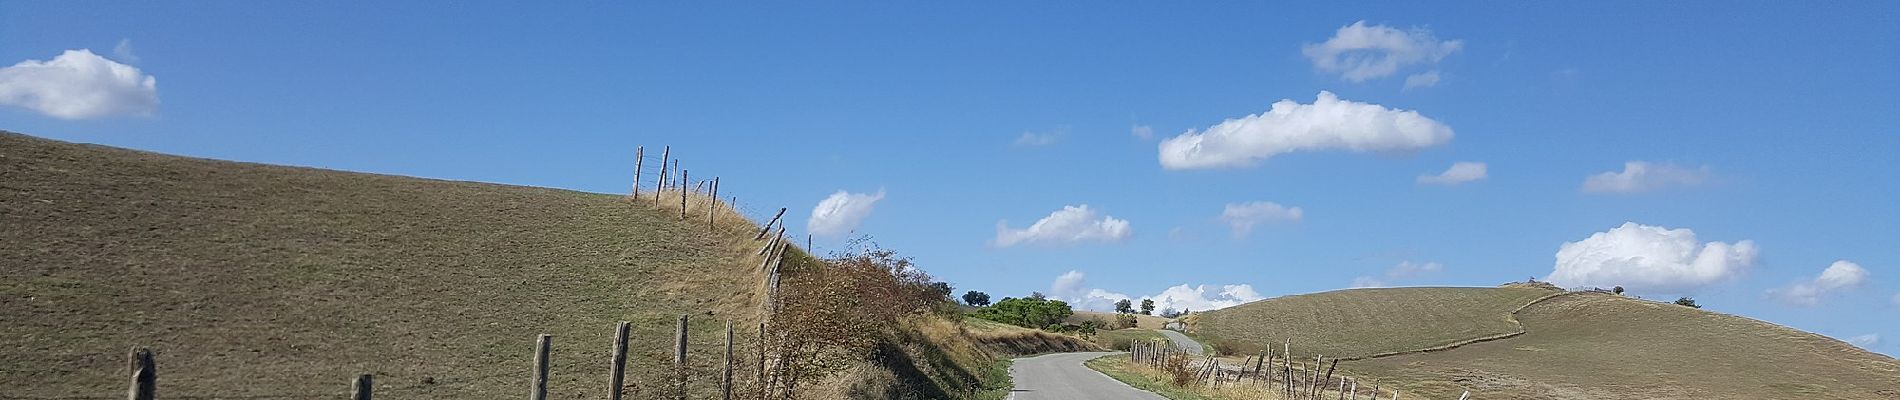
[265, 281]
[1581, 345]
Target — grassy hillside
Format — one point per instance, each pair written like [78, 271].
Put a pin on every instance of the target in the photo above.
[1365, 322]
[1573, 346]
[257, 280]
[1600, 346]
[1141, 321]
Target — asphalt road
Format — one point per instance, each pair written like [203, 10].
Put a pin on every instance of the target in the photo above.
[1061, 376]
[1182, 341]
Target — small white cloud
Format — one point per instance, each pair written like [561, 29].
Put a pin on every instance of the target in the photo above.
[1034, 139]
[1649, 259]
[1840, 275]
[1460, 172]
[1896, 300]
[841, 212]
[1421, 80]
[1642, 176]
[1328, 124]
[1359, 52]
[77, 85]
[1142, 132]
[1405, 270]
[1243, 216]
[124, 51]
[1070, 225]
[1867, 341]
[1071, 287]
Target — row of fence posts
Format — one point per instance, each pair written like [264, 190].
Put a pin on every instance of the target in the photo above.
[1293, 379]
[709, 188]
[145, 372]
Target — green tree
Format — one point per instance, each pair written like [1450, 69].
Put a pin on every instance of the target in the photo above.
[1687, 302]
[1124, 306]
[1147, 307]
[1027, 312]
[976, 298]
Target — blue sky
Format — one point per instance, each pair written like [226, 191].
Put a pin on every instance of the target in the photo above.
[1766, 130]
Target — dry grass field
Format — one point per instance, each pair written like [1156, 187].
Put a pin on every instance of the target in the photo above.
[1574, 346]
[1601, 346]
[257, 281]
[1365, 322]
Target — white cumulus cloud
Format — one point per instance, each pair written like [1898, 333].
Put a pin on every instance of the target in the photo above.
[1643, 176]
[1243, 216]
[1328, 124]
[1460, 172]
[1359, 52]
[841, 212]
[1866, 341]
[1649, 259]
[1072, 287]
[77, 85]
[1405, 270]
[1069, 225]
[1840, 275]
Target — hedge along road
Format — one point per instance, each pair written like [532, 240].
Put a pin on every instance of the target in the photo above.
[1061, 376]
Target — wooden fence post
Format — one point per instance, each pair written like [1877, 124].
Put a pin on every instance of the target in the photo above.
[639, 158]
[725, 381]
[679, 358]
[683, 182]
[1465, 396]
[144, 375]
[768, 224]
[618, 372]
[540, 385]
[714, 205]
[665, 155]
[360, 389]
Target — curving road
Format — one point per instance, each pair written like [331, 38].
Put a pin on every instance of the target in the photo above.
[1182, 341]
[1061, 376]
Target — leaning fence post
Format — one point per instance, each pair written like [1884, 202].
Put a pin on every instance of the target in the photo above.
[679, 357]
[768, 224]
[725, 381]
[144, 375]
[1465, 396]
[619, 370]
[540, 384]
[665, 154]
[360, 389]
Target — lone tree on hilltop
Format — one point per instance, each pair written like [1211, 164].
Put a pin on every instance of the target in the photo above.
[1147, 307]
[1618, 290]
[1687, 302]
[976, 298]
[1124, 306]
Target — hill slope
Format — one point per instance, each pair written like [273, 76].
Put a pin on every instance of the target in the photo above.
[257, 280]
[1585, 346]
[1363, 322]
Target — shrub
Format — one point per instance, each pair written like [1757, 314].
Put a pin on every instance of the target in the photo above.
[1687, 302]
[1125, 321]
[1027, 312]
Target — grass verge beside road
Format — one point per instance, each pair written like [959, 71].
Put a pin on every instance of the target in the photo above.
[1154, 380]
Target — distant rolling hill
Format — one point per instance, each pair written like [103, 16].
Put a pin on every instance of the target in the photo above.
[256, 281]
[1581, 345]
